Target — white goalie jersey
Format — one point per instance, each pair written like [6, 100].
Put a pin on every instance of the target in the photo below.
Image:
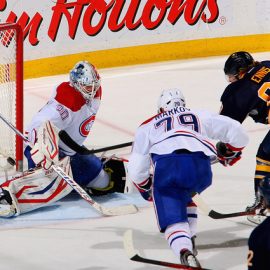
[181, 128]
[69, 111]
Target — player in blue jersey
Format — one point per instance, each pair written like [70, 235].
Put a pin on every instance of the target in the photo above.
[248, 94]
[176, 142]
[259, 240]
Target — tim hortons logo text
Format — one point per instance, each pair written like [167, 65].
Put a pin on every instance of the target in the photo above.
[110, 14]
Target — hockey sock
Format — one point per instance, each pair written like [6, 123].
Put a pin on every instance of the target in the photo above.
[178, 237]
[192, 218]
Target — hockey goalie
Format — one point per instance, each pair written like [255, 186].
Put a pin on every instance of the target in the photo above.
[42, 186]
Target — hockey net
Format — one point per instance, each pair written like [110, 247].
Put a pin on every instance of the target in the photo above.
[11, 91]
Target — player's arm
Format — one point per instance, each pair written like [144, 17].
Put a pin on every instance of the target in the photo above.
[54, 112]
[45, 151]
[232, 136]
[139, 164]
[49, 112]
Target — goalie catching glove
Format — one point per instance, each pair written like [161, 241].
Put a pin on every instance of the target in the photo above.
[45, 151]
[145, 188]
[227, 154]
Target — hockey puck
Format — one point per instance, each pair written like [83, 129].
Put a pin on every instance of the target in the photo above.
[11, 161]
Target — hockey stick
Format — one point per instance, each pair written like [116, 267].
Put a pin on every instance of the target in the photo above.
[216, 215]
[120, 210]
[135, 256]
[64, 136]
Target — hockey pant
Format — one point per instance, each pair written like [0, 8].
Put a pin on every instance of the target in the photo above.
[38, 188]
[176, 176]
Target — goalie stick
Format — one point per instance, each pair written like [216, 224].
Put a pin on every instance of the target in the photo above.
[135, 256]
[120, 210]
[216, 215]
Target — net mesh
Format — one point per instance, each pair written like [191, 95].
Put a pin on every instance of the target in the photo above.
[8, 61]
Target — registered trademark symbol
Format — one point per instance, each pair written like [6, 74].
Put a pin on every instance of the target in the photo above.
[222, 20]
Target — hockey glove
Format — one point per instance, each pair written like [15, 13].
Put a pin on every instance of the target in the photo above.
[39, 158]
[227, 154]
[145, 188]
[45, 151]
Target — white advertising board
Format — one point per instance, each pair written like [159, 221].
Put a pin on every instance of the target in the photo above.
[63, 27]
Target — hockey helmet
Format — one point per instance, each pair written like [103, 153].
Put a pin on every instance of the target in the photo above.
[237, 63]
[85, 79]
[170, 98]
[264, 189]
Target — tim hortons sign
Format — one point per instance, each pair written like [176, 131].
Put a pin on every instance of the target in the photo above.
[149, 14]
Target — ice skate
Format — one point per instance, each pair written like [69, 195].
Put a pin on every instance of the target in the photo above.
[258, 209]
[189, 259]
[7, 208]
[258, 204]
[194, 248]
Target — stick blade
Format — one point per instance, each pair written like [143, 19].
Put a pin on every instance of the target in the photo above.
[128, 244]
[216, 215]
[120, 210]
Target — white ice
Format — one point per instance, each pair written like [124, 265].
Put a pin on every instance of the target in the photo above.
[70, 235]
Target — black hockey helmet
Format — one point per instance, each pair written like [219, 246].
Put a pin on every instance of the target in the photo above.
[238, 62]
[264, 189]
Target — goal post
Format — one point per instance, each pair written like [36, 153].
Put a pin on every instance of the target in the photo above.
[11, 91]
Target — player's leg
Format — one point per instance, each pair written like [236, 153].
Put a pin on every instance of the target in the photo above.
[262, 170]
[98, 178]
[175, 178]
[170, 202]
[33, 189]
[88, 171]
[116, 170]
[192, 221]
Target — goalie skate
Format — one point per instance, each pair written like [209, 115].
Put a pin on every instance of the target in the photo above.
[8, 206]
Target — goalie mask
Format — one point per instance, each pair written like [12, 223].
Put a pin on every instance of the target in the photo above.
[85, 79]
[169, 99]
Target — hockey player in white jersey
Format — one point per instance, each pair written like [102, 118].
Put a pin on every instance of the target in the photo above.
[176, 143]
[72, 108]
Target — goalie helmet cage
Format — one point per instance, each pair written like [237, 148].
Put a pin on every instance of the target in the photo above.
[11, 91]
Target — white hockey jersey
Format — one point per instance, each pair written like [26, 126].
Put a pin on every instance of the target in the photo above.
[69, 111]
[181, 128]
